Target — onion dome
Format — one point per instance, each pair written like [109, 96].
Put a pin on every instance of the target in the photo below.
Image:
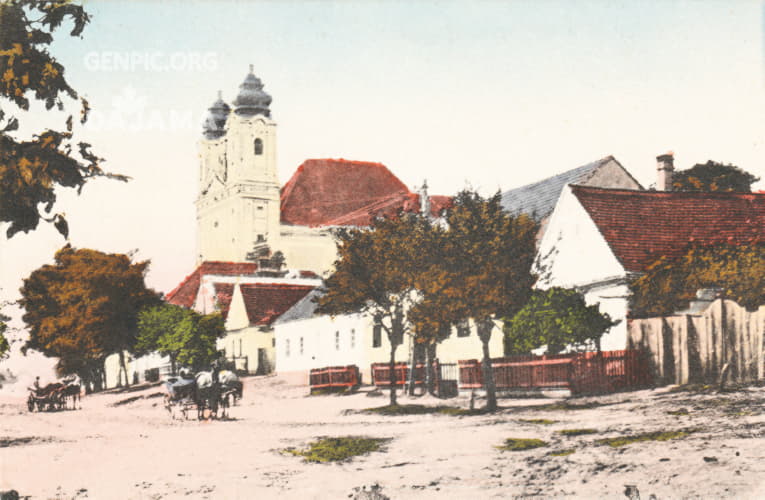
[215, 123]
[252, 100]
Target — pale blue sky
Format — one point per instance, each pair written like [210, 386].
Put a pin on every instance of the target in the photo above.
[494, 94]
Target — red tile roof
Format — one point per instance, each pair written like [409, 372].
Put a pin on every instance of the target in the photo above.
[223, 294]
[641, 226]
[266, 302]
[390, 206]
[323, 190]
[185, 294]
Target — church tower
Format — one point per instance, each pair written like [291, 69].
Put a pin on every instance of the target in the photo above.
[238, 201]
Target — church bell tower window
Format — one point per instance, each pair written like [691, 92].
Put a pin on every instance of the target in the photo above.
[258, 146]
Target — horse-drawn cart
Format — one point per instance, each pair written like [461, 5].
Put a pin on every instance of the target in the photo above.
[50, 397]
[205, 392]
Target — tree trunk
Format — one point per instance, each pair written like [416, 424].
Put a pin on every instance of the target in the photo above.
[123, 369]
[429, 375]
[392, 371]
[173, 370]
[412, 364]
[484, 328]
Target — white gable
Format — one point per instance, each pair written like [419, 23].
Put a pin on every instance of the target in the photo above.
[572, 252]
[237, 313]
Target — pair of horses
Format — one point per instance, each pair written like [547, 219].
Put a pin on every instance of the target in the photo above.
[208, 391]
[55, 395]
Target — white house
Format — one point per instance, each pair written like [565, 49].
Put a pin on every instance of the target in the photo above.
[597, 239]
[307, 340]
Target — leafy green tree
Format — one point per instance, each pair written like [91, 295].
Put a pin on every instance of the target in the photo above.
[84, 307]
[669, 285]
[556, 318]
[486, 270]
[185, 336]
[713, 176]
[31, 170]
[376, 272]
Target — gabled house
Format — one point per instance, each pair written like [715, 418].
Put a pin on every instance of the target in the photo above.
[539, 198]
[250, 300]
[597, 239]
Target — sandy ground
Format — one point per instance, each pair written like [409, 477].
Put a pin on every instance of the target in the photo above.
[136, 451]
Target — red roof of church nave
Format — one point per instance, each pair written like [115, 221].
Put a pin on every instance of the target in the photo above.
[265, 302]
[332, 192]
[642, 226]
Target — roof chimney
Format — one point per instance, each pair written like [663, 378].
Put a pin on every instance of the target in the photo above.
[665, 168]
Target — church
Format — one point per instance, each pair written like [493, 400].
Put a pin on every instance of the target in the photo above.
[262, 247]
[243, 211]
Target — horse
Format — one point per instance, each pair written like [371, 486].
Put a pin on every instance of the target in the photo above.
[72, 389]
[231, 389]
[207, 394]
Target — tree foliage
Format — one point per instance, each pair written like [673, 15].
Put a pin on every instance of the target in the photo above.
[483, 271]
[556, 318]
[84, 307]
[376, 272]
[4, 345]
[30, 170]
[186, 336]
[713, 176]
[669, 285]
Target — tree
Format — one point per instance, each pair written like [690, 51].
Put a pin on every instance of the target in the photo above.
[376, 272]
[4, 346]
[185, 336]
[84, 307]
[713, 176]
[31, 170]
[556, 318]
[669, 285]
[486, 274]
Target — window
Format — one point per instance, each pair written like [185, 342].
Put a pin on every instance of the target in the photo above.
[337, 341]
[377, 333]
[353, 338]
[258, 146]
[463, 328]
[287, 348]
[301, 346]
[240, 347]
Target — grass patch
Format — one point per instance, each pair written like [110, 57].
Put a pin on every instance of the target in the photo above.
[562, 453]
[577, 432]
[677, 413]
[618, 442]
[540, 421]
[398, 410]
[693, 388]
[521, 444]
[338, 449]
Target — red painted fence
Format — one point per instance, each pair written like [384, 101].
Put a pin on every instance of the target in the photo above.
[381, 374]
[335, 377]
[582, 373]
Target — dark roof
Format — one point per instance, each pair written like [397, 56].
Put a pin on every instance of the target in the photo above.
[305, 308]
[539, 199]
[185, 294]
[642, 226]
[322, 190]
[265, 302]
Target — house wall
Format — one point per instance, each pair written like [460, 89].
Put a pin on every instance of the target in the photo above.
[248, 342]
[308, 248]
[327, 342]
[612, 175]
[573, 254]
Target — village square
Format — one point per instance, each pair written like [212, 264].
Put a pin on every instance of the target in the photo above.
[366, 328]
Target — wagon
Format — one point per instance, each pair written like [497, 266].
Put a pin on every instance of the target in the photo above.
[50, 397]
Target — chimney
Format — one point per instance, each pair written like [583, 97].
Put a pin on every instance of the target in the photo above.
[665, 168]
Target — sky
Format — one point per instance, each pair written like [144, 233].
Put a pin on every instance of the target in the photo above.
[488, 95]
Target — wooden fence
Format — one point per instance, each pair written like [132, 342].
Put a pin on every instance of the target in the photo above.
[444, 376]
[694, 347]
[335, 377]
[581, 373]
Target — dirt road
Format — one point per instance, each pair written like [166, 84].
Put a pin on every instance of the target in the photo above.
[135, 451]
